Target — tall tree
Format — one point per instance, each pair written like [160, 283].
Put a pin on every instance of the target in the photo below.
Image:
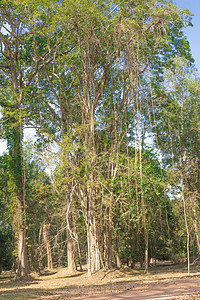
[117, 47]
[80, 72]
[22, 55]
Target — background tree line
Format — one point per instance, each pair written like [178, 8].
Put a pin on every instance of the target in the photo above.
[98, 81]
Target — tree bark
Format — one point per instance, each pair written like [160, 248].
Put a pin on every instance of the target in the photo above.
[92, 238]
[70, 233]
[93, 248]
[143, 204]
[118, 260]
[22, 269]
[188, 234]
[48, 247]
[70, 255]
[195, 224]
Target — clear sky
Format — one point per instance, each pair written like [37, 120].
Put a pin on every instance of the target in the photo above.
[193, 33]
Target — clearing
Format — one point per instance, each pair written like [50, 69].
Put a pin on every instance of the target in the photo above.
[166, 281]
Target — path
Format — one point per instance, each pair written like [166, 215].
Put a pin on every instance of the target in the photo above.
[174, 289]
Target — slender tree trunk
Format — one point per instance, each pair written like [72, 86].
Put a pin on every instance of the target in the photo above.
[48, 247]
[109, 237]
[70, 233]
[146, 257]
[188, 235]
[40, 250]
[108, 240]
[118, 260]
[70, 242]
[146, 260]
[195, 224]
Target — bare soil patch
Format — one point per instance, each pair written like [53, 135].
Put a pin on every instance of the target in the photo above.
[163, 282]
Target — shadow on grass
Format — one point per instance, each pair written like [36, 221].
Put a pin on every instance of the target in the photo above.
[76, 275]
[71, 276]
[48, 272]
[108, 272]
[7, 283]
[6, 277]
[66, 292]
[19, 294]
[122, 272]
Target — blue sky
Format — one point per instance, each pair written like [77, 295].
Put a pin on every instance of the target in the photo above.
[193, 33]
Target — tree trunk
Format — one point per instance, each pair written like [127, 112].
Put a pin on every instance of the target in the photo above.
[93, 246]
[195, 224]
[70, 234]
[146, 256]
[118, 260]
[48, 247]
[108, 240]
[143, 204]
[188, 235]
[93, 250]
[22, 269]
[17, 180]
[70, 255]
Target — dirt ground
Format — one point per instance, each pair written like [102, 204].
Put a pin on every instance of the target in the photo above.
[162, 282]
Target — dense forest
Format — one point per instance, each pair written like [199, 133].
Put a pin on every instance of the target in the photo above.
[112, 174]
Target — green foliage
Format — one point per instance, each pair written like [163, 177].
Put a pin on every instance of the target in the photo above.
[96, 77]
[6, 249]
[6, 232]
